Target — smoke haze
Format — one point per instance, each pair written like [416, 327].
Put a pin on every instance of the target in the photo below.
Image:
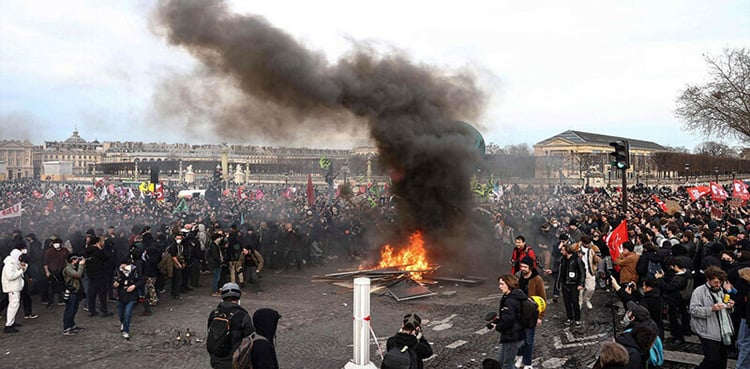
[284, 89]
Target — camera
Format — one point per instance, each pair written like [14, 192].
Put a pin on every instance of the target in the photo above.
[631, 285]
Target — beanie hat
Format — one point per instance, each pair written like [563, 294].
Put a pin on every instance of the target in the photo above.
[639, 312]
[230, 290]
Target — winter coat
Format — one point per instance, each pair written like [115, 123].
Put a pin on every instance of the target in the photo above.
[72, 276]
[420, 346]
[572, 271]
[132, 279]
[12, 279]
[263, 355]
[627, 264]
[508, 323]
[637, 357]
[241, 327]
[672, 289]
[704, 321]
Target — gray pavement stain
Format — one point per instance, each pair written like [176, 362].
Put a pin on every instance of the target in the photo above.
[315, 330]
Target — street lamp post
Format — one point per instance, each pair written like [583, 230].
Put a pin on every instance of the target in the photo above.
[716, 173]
[687, 172]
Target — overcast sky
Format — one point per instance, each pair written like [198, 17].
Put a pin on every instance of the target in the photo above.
[609, 67]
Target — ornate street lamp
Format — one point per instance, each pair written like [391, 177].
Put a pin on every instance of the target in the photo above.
[716, 172]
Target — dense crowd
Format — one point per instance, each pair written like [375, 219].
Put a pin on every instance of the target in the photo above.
[677, 259]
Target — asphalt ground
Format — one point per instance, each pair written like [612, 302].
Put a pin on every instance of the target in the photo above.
[315, 330]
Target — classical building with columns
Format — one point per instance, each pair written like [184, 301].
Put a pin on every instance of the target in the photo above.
[83, 154]
[578, 155]
[17, 159]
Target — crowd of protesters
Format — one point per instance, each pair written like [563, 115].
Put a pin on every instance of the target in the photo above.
[686, 267]
[78, 248]
[563, 231]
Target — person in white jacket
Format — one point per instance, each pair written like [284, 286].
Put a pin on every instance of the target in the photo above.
[12, 281]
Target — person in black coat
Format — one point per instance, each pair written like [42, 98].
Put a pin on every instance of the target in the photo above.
[99, 277]
[410, 335]
[638, 342]
[128, 282]
[571, 279]
[671, 287]
[512, 334]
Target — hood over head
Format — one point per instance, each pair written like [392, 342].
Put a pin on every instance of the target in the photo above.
[265, 322]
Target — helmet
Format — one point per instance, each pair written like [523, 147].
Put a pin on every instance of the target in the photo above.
[230, 290]
[541, 305]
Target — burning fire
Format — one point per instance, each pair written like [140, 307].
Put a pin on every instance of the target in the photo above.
[411, 257]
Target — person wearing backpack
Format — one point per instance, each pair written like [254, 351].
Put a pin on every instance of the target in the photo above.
[263, 352]
[407, 342]
[532, 284]
[508, 323]
[673, 290]
[227, 325]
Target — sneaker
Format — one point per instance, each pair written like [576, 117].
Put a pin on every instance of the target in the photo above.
[10, 329]
[86, 309]
[125, 335]
[528, 367]
[60, 303]
[519, 361]
[568, 321]
[69, 332]
[31, 316]
[78, 329]
[578, 324]
[122, 327]
[588, 305]
[555, 298]
[161, 292]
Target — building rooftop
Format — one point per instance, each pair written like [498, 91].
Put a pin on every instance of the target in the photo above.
[578, 137]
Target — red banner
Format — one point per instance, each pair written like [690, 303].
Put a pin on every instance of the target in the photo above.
[717, 192]
[739, 189]
[11, 212]
[661, 204]
[615, 240]
[698, 192]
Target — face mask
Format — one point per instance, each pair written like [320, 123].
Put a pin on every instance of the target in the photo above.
[625, 320]
[178, 241]
[24, 251]
[56, 246]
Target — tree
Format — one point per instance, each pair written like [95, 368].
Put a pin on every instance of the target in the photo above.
[721, 107]
[713, 148]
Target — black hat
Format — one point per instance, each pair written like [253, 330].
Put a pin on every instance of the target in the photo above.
[639, 312]
[528, 261]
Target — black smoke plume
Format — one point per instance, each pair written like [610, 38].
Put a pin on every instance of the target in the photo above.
[410, 109]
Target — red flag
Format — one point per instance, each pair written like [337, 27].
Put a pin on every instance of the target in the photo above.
[717, 192]
[310, 191]
[698, 192]
[616, 239]
[89, 194]
[12, 211]
[259, 194]
[159, 192]
[739, 189]
[241, 193]
[661, 204]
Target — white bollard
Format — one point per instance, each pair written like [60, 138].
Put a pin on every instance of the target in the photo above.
[361, 326]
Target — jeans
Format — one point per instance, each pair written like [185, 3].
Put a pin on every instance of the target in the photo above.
[71, 308]
[125, 311]
[507, 357]
[217, 276]
[528, 346]
[743, 344]
[570, 297]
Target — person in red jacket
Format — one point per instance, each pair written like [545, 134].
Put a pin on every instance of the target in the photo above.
[521, 251]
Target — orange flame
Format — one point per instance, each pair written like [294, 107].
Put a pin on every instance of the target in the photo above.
[411, 257]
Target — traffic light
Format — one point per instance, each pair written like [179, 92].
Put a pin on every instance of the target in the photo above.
[621, 155]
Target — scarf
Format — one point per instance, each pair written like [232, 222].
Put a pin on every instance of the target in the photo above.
[725, 322]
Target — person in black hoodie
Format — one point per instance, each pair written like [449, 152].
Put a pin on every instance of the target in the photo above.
[512, 334]
[671, 288]
[410, 335]
[263, 354]
[99, 278]
[638, 342]
[571, 279]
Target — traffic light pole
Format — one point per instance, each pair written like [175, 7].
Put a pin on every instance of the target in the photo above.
[624, 191]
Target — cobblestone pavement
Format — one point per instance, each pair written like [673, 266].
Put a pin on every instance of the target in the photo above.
[315, 330]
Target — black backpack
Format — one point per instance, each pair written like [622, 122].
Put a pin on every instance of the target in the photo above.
[219, 340]
[653, 267]
[687, 292]
[529, 313]
[399, 357]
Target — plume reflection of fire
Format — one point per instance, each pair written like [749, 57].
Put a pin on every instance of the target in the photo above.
[411, 257]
